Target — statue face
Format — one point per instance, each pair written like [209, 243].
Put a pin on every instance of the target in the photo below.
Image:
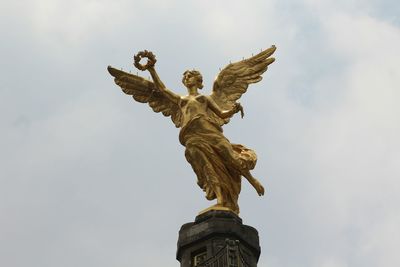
[189, 80]
[192, 78]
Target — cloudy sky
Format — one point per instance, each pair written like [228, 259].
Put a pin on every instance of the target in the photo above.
[90, 178]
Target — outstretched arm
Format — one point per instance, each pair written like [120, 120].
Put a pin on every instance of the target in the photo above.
[223, 114]
[161, 87]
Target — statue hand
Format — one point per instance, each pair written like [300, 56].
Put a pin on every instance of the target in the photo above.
[238, 107]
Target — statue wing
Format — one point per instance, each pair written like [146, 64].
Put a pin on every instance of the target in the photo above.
[234, 79]
[144, 91]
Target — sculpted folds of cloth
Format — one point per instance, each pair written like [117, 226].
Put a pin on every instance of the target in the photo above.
[219, 164]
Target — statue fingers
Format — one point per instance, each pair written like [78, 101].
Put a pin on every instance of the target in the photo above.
[239, 107]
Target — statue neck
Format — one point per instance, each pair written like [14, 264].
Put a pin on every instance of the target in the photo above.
[193, 91]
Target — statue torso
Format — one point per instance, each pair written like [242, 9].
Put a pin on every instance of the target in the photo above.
[192, 106]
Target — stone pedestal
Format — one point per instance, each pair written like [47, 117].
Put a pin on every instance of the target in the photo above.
[218, 238]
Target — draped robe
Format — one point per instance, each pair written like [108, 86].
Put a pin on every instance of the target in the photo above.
[216, 161]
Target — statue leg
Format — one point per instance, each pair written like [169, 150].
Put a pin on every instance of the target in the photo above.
[234, 161]
[220, 196]
[254, 182]
[206, 174]
[230, 157]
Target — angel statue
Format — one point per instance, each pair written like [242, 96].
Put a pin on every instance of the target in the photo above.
[218, 163]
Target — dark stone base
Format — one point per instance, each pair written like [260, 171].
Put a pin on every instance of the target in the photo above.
[208, 234]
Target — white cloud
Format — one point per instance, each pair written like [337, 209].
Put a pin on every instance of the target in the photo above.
[355, 145]
[75, 22]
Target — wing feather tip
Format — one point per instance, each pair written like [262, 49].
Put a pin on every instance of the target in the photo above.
[114, 72]
[268, 52]
[270, 60]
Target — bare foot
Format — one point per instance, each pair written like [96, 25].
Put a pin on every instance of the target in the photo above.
[259, 188]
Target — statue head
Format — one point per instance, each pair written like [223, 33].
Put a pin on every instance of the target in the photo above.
[192, 78]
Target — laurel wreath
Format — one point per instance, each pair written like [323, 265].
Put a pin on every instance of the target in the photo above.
[151, 60]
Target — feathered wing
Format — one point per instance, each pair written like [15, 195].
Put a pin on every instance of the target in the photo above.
[144, 91]
[234, 79]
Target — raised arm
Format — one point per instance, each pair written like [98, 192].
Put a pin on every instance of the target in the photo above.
[223, 114]
[150, 67]
[161, 87]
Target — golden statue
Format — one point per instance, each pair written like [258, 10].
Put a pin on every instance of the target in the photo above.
[218, 164]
